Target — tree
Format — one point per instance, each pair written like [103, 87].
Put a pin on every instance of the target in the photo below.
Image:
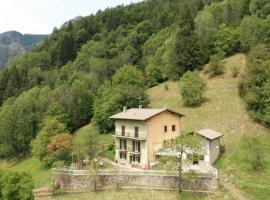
[192, 88]
[51, 127]
[226, 41]
[205, 30]
[87, 146]
[18, 124]
[261, 8]
[80, 104]
[128, 75]
[251, 32]
[186, 49]
[185, 144]
[66, 49]
[255, 84]
[16, 186]
[215, 66]
[60, 146]
[126, 89]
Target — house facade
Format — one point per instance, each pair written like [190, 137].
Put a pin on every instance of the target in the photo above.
[141, 132]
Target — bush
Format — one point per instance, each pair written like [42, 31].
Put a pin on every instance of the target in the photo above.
[215, 66]
[16, 186]
[166, 87]
[193, 88]
[254, 150]
[235, 71]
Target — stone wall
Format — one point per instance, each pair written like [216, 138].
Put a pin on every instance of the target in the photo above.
[83, 181]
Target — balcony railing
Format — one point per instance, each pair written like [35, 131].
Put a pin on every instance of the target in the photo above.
[131, 135]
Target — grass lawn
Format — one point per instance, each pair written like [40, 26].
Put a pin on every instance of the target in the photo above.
[223, 111]
[108, 154]
[41, 175]
[128, 194]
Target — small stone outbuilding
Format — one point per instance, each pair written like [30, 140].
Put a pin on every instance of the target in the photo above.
[213, 144]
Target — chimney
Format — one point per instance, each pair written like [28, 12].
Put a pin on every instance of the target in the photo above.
[140, 106]
[124, 109]
[164, 106]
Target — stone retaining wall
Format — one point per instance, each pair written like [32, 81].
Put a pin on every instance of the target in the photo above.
[74, 182]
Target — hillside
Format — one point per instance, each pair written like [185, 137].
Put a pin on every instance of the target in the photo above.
[13, 43]
[224, 111]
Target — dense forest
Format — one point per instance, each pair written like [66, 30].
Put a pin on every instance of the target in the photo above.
[92, 67]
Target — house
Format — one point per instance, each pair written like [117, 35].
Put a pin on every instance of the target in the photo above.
[213, 144]
[141, 132]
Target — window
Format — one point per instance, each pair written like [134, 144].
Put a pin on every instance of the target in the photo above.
[136, 158]
[123, 144]
[165, 129]
[136, 146]
[123, 130]
[123, 155]
[173, 128]
[136, 132]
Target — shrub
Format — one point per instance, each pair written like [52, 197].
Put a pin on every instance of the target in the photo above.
[166, 87]
[192, 88]
[215, 66]
[235, 71]
[254, 150]
[16, 186]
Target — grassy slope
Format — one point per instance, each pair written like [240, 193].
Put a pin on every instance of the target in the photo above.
[223, 111]
[41, 175]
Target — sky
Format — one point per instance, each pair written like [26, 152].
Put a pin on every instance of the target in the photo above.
[41, 16]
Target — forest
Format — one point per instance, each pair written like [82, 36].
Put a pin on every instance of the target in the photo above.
[92, 67]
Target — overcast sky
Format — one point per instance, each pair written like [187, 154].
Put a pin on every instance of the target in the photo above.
[41, 16]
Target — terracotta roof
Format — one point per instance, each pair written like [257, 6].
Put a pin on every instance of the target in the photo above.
[141, 114]
[210, 134]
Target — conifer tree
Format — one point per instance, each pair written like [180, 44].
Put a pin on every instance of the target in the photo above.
[186, 48]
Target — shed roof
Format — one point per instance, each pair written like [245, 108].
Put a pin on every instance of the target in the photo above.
[141, 114]
[210, 134]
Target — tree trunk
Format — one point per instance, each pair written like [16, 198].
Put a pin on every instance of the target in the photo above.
[180, 173]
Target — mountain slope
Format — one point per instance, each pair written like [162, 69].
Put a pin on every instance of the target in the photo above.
[224, 111]
[13, 43]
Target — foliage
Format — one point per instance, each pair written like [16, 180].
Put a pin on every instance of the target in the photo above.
[251, 32]
[226, 41]
[18, 124]
[215, 66]
[255, 84]
[60, 146]
[187, 52]
[254, 152]
[87, 146]
[261, 8]
[192, 88]
[16, 186]
[126, 89]
[51, 128]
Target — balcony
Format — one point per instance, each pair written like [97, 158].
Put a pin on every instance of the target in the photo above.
[130, 135]
[122, 149]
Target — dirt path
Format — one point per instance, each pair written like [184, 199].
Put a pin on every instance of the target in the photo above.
[234, 192]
